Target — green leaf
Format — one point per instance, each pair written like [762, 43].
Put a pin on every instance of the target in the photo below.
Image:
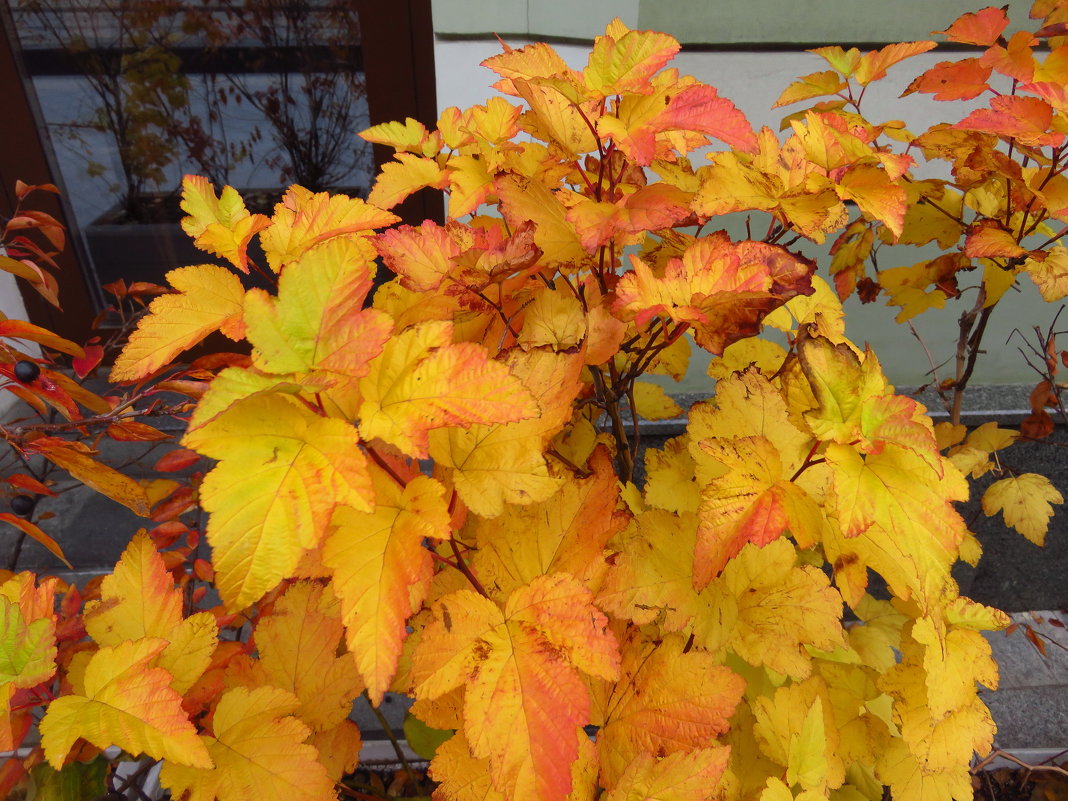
[423, 739]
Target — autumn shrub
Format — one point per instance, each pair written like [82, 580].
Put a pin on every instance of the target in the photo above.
[433, 491]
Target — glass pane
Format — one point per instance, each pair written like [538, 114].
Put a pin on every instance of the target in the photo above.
[257, 94]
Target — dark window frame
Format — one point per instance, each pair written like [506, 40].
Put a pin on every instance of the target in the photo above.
[398, 58]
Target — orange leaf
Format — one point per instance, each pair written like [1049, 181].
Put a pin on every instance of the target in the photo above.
[873, 65]
[20, 329]
[981, 28]
[34, 532]
[720, 288]
[297, 645]
[382, 572]
[953, 80]
[1027, 119]
[658, 708]
[987, 239]
[524, 695]
[75, 459]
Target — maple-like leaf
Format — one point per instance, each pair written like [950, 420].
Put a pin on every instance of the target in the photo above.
[796, 727]
[817, 84]
[408, 173]
[897, 518]
[298, 652]
[282, 472]
[382, 571]
[524, 695]
[207, 298]
[139, 600]
[124, 703]
[856, 402]
[565, 534]
[491, 465]
[258, 750]
[1026, 119]
[421, 256]
[523, 199]
[1026, 502]
[981, 28]
[318, 319]
[624, 64]
[658, 708]
[1050, 274]
[648, 579]
[722, 289]
[681, 776]
[304, 219]
[769, 610]
[755, 501]
[220, 225]
[422, 381]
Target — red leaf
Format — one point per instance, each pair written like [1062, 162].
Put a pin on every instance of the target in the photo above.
[84, 365]
[28, 483]
[178, 459]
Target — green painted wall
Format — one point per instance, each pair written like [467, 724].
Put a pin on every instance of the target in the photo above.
[804, 22]
[710, 22]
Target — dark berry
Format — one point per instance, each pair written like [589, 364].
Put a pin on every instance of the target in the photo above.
[27, 371]
[22, 505]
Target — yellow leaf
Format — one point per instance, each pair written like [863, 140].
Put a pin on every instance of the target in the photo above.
[496, 464]
[125, 703]
[317, 320]
[897, 518]
[1026, 502]
[565, 534]
[298, 652]
[339, 748]
[625, 64]
[304, 219]
[669, 477]
[523, 199]
[422, 381]
[208, 298]
[647, 580]
[877, 195]
[258, 749]
[137, 600]
[554, 318]
[767, 610]
[653, 403]
[524, 701]
[382, 571]
[797, 730]
[754, 501]
[219, 225]
[1051, 274]
[682, 776]
[407, 174]
[460, 775]
[282, 472]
